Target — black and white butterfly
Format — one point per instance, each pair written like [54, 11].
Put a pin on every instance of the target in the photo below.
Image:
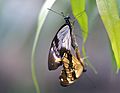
[60, 54]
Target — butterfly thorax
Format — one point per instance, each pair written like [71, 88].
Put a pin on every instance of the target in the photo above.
[67, 19]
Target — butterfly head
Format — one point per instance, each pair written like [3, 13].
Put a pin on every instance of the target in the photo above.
[67, 19]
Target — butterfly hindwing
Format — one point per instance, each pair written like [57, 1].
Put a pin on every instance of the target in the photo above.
[72, 69]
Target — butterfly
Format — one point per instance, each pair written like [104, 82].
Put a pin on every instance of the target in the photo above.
[60, 55]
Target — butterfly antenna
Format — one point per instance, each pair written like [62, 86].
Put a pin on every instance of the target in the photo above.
[61, 14]
[78, 15]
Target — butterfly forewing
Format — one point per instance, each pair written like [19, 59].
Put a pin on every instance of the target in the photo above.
[62, 40]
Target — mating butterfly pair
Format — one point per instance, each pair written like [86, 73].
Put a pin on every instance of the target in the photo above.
[60, 55]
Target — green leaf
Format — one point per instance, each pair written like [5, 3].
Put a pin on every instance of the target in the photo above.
[78, 6]
[110, 17]
[42, 16]
[114, 67]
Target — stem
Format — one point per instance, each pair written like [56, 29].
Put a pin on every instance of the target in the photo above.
[41, 18]
[35, 81]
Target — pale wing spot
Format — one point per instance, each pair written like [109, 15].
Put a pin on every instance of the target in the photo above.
[64, 38]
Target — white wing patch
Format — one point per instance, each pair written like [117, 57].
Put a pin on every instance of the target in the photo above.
[64, 38]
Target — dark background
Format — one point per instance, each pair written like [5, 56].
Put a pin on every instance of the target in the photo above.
[18, 23]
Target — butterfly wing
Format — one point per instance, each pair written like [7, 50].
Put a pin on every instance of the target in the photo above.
[72, 70]
[61, 40]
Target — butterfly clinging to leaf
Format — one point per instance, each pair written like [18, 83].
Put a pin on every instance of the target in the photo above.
[60, 54]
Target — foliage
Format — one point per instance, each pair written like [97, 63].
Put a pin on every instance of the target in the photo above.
[110, 17]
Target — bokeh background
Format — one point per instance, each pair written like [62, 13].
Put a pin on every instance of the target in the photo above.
[18, 23]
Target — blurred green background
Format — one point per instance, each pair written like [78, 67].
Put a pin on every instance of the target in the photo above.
[18, 23]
